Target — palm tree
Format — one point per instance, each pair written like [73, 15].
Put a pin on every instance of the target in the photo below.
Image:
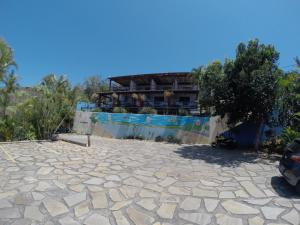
[6, 59]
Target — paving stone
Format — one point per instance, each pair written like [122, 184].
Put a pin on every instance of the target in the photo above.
[147, 194]
[44, 170]
[81, 209]
[43, 186]
[139, 218]
[94, 181]
[259, 201]
[22, 222]
[33, 213]
[9, 213]
[226, 194]
[211, 204]
[292, 217]
[252, 189]
[238, 208]
[133, 182]
[55, 207]
[204, 193]
[94, 188]
[147, 203]
[128, 192]
[223, 219]
[120, 218]
[77, 187]
[197, 218]
[37, 196]
[96, 219]
[256, 221]
[190, 203]
[112, 178]
[5, 204]
[241, 194]
[99, 200]
[23, 199]
[167, 182]
[111, 184]
[178, 191]
[166, 210]
[154, 187]
[283, 202]
[68, 221]
[271, 213]
[119, 205]
[115, 195]
[7, 194]
[74, 199]
[59, 184]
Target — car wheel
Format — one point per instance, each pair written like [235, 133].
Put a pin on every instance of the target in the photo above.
[298, 187]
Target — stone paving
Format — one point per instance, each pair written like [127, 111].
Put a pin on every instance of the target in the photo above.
[123, 182]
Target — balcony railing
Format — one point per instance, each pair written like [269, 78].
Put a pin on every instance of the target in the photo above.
[158, 88]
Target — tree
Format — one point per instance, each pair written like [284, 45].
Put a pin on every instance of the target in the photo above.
[92, 85]
[8, 85]
[297, 60]
[209, 79]
[244, 88]
[288, 97]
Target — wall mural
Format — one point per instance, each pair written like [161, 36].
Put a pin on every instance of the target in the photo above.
[187, 129]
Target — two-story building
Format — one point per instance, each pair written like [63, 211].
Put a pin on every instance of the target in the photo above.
[165, 92]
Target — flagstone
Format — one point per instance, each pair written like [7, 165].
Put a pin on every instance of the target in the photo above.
[55, 207]
[197, 218]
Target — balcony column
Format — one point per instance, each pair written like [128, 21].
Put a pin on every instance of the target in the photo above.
[132, 85]
[175, 84]
[110, 89]
[153, 85]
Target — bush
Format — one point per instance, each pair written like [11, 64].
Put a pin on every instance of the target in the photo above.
[159, 139]
[96, 110]
[172, 139]
[183, 112]
[119, 110]
[288, 135]
[148, 110]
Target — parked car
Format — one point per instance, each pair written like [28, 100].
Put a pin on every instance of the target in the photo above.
[289, 165]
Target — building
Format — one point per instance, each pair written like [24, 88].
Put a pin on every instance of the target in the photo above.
[168, 93]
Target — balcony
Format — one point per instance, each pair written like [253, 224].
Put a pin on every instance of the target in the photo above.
[158, 88]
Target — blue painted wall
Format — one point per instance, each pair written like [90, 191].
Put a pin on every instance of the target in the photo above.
[148, 126]
[85, 106]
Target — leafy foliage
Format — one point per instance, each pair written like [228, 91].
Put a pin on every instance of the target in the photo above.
[92, 86]
[244, 88]
[148, 110]
[288, 135]
[119, 110]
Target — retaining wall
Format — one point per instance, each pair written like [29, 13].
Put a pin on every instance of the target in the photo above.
[188, 129]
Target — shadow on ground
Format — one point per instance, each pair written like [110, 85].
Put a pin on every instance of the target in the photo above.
[223, 157]
[283, 188]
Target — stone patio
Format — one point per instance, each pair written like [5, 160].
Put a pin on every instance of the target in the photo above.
[123, 182]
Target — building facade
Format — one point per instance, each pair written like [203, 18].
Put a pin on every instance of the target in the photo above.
[168, 93]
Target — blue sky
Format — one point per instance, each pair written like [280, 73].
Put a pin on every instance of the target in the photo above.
[119, 37]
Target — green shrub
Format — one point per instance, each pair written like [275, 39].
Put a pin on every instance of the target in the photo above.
[96, 110]
[148, 110]
[288, 135]
[93, 118]
[172, 139]
[159, 139]
[119, 110]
